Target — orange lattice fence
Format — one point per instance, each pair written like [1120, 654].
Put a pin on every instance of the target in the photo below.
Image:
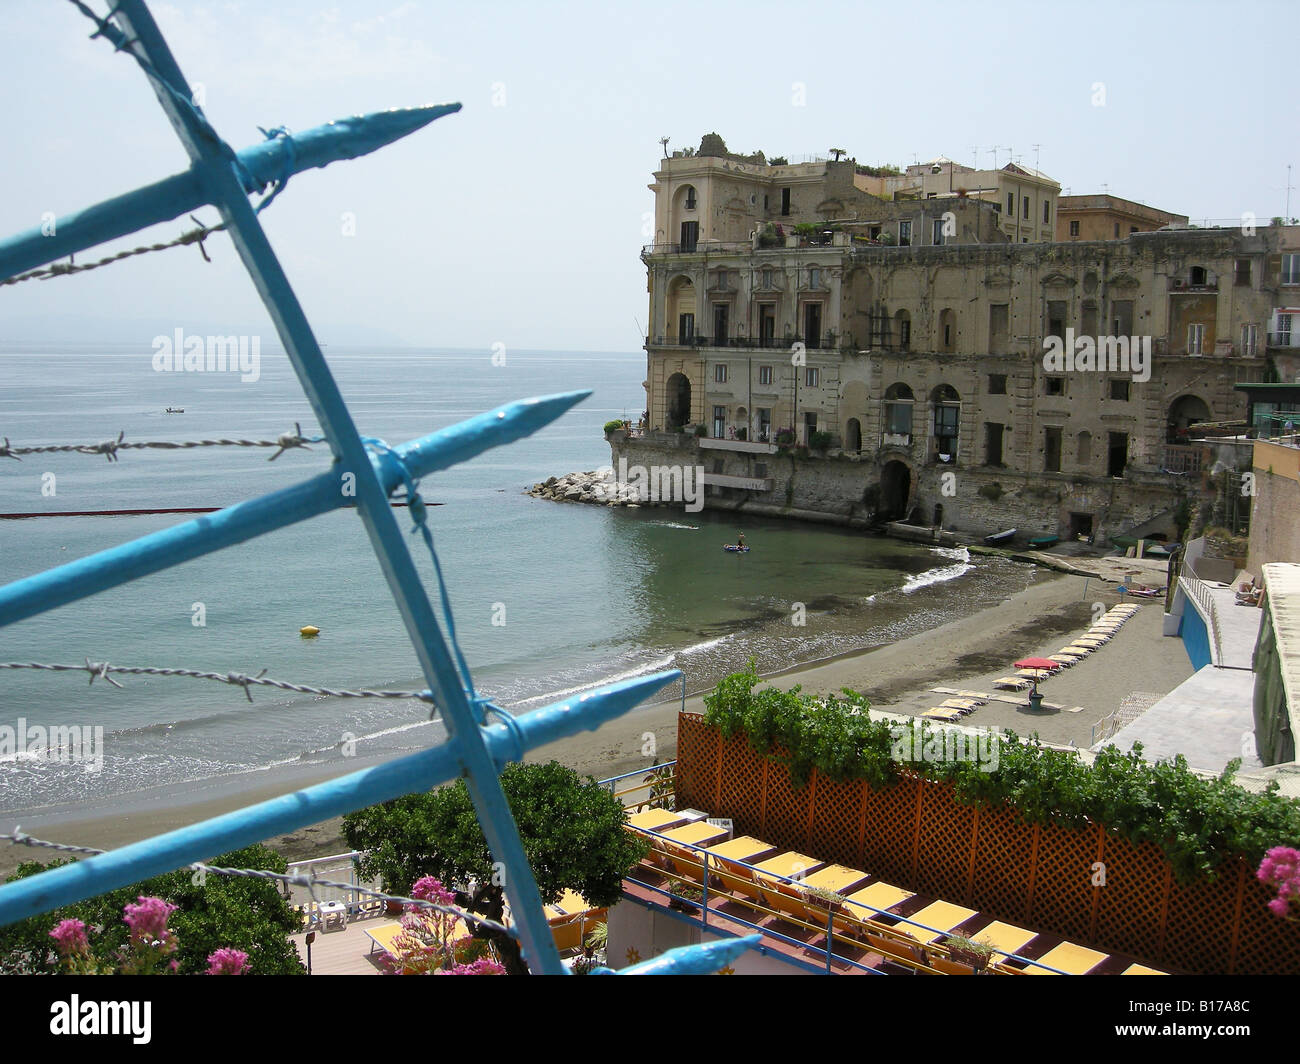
[1086, 883]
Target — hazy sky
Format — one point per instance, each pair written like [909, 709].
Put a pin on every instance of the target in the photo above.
[519, 220]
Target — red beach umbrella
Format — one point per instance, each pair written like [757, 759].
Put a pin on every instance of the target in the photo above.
[1037, 663]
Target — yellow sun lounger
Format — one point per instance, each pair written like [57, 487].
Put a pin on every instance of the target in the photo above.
[1011, 683]
[1069, 957]
[946, 715]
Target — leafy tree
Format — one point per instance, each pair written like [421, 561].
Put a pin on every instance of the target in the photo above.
[572, 831]
[218, 912]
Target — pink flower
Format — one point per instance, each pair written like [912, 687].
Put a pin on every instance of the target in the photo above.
[482, 966]
[1281, 868]
[148, 919]
[431, 889]
[70, 937]
[228, 962]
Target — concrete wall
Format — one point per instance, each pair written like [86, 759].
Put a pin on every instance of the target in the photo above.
[1275, 514]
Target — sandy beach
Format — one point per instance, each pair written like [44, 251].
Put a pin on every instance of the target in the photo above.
[967, 653]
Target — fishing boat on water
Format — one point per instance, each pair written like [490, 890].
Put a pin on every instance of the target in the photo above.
[1000, 539]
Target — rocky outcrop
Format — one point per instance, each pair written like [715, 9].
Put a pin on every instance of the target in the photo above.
[597, 486]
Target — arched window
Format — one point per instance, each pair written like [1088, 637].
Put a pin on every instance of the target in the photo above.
[898, 413]
[947, 338]
[690, 198]
[946, 406]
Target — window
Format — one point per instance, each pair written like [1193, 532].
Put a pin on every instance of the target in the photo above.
[1195, 339]
[946, 417]
[1242, 273]
[1291, 269]
[1053, 385]
[904, 330]
[811, 376]
[1117, 230]
[767, 324]
[1074, 228]
[1024, 202]
[997, 384]
[685, 328]
[1119, 388]
[1052, 450]
[809, 425]
[766, 208]
[760, 469]
[1047, 211]
[690, 197]
[992, 444]
[814, 277]
[938, 232]
[904, 234]
[785, 201]
[1132, 229]
[1117, 454]
[1249, 340]
[1284, 330]
[764, 374]
[720, 373]
[767, 278]
[721, 314]
[1011, 204]
[719, 425]
[764, 424]
[1122, 317]
[898, 410]
[812, 325]
[1197, 276]
[690, 236]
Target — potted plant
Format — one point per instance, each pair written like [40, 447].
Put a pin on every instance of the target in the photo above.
[684, 896]
[964, 950]
[593, 951]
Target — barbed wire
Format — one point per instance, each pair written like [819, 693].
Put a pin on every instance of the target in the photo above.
[102, 669]
[61, 269]
[286, 441]
[18, 837]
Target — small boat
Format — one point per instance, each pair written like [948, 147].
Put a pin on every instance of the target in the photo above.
[1043, 542]
[735, 548]
[174, 410]
[999, 538]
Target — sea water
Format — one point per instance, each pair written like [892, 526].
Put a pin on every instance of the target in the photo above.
[548, 598]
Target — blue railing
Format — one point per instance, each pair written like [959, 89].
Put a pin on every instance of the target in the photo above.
[364, 474]
[709, 860]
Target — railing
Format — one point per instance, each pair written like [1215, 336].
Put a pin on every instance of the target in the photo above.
[827, 342]
[699, 247]
[658, 782]
[369, 472]
[1181, 458]
[826, 953]
[1199, 592]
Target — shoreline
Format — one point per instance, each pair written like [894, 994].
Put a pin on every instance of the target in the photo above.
[896, 677]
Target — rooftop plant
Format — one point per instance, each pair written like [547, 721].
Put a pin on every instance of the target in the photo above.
[1198, 822]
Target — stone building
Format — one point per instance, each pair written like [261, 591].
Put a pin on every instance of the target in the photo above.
[918, 371]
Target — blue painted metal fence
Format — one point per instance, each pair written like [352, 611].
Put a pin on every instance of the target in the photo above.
[363, 474]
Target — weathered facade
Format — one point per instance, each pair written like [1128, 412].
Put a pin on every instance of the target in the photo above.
[926, 364]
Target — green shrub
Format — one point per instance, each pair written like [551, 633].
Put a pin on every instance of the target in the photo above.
[1198, 823]
[820, 440]
[613, 426]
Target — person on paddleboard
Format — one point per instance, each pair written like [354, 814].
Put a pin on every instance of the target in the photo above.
[740, 540]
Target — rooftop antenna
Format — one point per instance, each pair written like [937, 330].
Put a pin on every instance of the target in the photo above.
[995, 156]
[1036, 149]
[1289, 186]
[1105, 188]
[664, 142]
[975, 151]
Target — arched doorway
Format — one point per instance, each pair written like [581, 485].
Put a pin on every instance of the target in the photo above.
[677, 400]
[895, 489]
[1184, 412]
[853, 436]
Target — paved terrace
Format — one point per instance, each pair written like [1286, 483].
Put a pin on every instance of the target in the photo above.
[1210, 718]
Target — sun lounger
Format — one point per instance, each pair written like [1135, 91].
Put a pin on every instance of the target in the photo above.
[1141, 969]
[1070, 958]
[948, 716]
[1011, 683]
[912, 957]
[1066, 659]
[862, 905]
[1005, 939]
[943, 916]
[961, 703]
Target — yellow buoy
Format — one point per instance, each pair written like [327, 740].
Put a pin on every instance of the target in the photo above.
[309, 632]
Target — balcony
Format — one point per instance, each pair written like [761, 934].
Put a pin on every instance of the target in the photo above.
[1182, 285]
[1283, 339]
[830, 342]
[710, 444]
[700, 247]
